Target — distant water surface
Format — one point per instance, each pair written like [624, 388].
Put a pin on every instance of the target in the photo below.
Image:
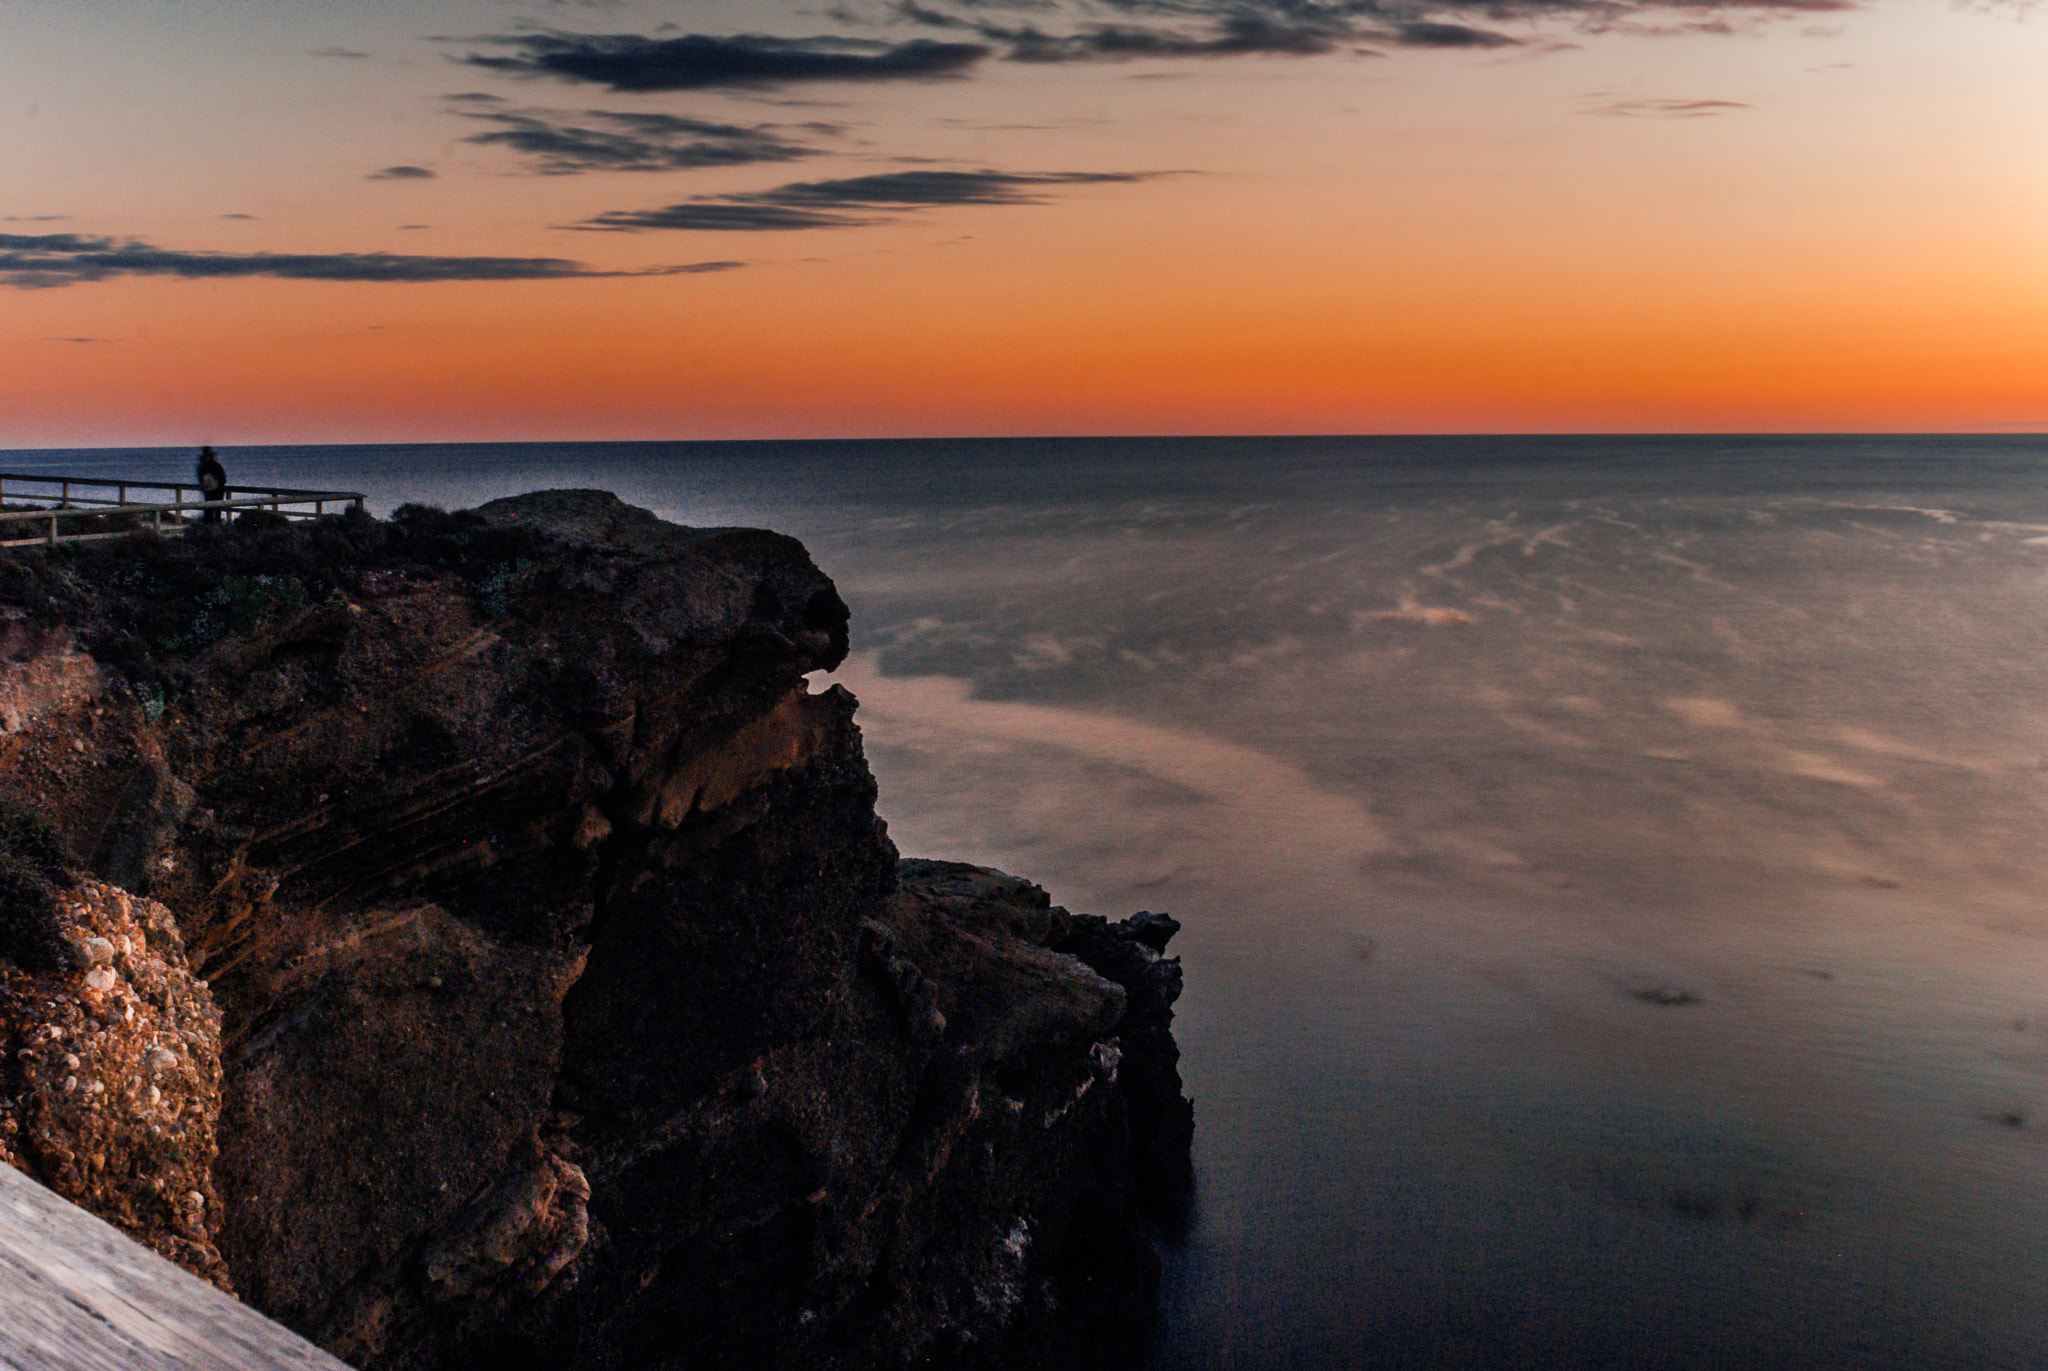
[1615, 871]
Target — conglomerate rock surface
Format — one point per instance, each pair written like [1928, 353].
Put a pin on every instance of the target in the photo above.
[112, 1074]
[570, 1010]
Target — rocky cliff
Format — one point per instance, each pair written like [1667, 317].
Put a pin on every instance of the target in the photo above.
[469, 939]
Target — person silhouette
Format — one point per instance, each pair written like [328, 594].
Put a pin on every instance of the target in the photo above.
[213, 482]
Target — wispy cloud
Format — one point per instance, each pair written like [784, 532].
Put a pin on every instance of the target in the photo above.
[1305, 32]
[559, 143]
[629, 62]
[852, 201]
[722, 216]
[1233, 35]
[1304, 28]
[1423, 33]
[907, 188]
[46, 260]
[1065, 31]
[1666, 109]
[401, 173]
[338, 52]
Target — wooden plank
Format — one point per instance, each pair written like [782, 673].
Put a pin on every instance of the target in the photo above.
[77, 1295]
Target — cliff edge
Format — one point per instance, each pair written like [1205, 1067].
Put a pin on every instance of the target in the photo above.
[469, 939]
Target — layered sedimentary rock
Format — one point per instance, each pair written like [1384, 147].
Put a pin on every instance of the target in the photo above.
[572, 1008]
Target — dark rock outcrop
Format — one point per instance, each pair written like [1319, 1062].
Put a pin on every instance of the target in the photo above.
[573, 1008]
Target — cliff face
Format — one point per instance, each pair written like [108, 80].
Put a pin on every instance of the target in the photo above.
[571, 1009]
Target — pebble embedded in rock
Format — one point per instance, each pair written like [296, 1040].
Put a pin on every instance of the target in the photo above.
[99, 951]
[99, 978]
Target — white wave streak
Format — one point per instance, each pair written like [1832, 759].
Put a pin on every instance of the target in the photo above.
[1160, 806]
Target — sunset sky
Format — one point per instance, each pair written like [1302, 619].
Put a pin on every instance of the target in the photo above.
[479, 219]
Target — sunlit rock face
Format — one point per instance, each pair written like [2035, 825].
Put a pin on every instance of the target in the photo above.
[571, 1014]
[113, 1081]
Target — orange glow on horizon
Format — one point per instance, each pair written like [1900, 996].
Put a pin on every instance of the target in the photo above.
[1422, 243]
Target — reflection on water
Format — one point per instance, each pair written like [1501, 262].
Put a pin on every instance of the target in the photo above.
[1612, 871]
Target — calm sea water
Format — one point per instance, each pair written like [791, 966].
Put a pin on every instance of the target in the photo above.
[1615, 871]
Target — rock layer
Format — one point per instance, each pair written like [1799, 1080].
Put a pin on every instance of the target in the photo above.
[573, 1009]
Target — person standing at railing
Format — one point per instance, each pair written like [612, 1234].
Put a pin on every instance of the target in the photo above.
[213, 482]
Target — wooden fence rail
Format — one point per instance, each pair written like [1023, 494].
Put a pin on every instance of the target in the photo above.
[67, 509]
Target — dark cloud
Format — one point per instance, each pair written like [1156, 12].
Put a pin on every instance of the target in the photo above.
[250, 217]
[337, 52]
[851, 201]
[1307, 28]
[33, 218]
[1668, 109]
[1423, 33]
[722, 216]
[898, 189]
[401, 174]
[628, 62]
[1151, 29]
[559, 143]
[1236, 35]
[42, 260]
[78, 340]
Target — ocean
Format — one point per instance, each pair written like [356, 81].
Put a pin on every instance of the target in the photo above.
[1614, 870]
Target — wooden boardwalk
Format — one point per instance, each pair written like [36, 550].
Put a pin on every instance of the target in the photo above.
[76, 1295]
[54, 508]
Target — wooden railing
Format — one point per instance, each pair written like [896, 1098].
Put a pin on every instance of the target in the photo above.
[64, 509]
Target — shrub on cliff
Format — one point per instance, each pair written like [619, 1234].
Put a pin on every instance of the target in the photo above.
[463, 542]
